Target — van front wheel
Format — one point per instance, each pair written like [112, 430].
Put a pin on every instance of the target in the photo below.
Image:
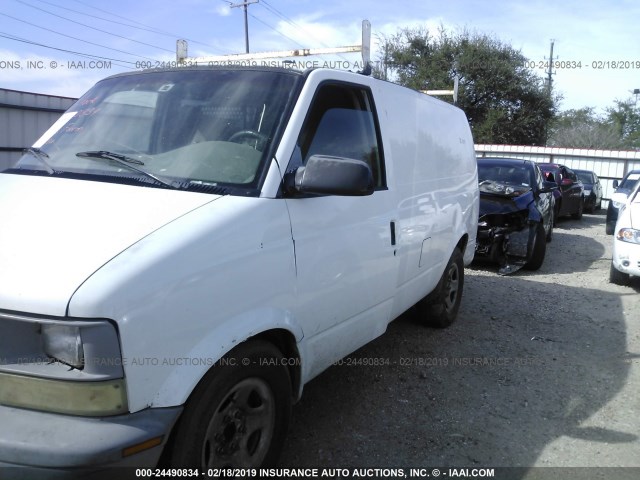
[237, 416]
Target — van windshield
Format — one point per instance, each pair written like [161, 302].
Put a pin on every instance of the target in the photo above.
[184, 128]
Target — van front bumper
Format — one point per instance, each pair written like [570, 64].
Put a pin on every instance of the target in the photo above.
[37, 444]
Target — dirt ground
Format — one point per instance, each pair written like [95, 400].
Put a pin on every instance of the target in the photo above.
[541, 369]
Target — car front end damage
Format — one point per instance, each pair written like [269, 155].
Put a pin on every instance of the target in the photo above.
[507, 225]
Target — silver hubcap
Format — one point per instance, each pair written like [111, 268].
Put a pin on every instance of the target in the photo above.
[451, 286]
[240, 431]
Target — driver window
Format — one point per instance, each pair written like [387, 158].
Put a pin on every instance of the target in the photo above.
[341, 123]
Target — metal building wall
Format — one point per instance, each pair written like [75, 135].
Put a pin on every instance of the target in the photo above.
[24, 117]
[609, 165]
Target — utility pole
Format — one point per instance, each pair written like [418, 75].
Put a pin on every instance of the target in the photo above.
[245, 4]
[550, 70]
[549, 90]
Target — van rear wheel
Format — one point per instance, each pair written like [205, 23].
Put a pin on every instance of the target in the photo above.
[237, 416]
[440, 309]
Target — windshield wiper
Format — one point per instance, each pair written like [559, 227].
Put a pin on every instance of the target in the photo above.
[125, 161]
[42, 156]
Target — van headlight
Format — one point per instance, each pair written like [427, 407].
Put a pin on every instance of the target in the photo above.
[617, 205]
[630, 235]
[63, 343]
[63, 365]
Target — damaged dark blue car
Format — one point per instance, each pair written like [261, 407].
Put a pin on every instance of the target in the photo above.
[516, 214]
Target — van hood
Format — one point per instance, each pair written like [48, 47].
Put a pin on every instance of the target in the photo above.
[55, 233]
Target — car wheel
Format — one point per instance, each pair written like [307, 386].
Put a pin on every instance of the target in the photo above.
[237, 416]
[551, 223]
[539, 250]
[441, 307]
[578, 215]
[609, 228]
[591, 209]
[618, 277]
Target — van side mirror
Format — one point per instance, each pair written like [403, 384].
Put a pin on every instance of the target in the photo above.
[616, 183]
[328, 175]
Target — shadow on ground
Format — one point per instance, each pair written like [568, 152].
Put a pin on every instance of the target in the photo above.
[513, 374]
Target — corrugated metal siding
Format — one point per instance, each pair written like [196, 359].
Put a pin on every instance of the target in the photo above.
[609, 165]
[24, 117]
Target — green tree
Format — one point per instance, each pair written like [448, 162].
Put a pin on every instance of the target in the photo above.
[625, 118]
[583, 128]
[618, 128]
[505, 102]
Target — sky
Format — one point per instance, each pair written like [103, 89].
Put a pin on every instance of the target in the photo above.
[44, 44]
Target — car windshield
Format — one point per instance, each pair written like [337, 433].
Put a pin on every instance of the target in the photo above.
[181, 128]
[585, 177]
[507, 174]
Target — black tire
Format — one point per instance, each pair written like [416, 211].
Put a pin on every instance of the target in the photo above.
[578, 215]
[440, 308]
[237, 416]
[609, 228]
[552, 220]
[591, 209]
[539, 250]
[618, 277]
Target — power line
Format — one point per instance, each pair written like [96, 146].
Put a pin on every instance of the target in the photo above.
[94, 28]
[87, 55]
[276, 12]
[276, 30]
[74, 38]
[143, 27]
[273, 28]
[281, 15]
[110, 13]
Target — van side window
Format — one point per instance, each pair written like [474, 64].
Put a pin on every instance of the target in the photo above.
[341, 123]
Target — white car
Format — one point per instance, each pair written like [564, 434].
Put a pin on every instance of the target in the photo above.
[626, 242]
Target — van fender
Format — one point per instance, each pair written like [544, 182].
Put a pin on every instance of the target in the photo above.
[464, 224]
[209, 351]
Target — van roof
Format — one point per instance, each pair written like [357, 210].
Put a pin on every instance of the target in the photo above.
[260, 68]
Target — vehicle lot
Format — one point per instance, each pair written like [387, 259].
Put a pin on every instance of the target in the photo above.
[540, 369]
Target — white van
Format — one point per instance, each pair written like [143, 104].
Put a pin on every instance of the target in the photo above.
[185, 249]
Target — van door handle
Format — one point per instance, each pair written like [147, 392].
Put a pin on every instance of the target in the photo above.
[392, 226]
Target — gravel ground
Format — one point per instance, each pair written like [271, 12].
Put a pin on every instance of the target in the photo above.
[541, 369]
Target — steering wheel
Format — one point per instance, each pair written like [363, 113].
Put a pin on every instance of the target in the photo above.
[243, 135]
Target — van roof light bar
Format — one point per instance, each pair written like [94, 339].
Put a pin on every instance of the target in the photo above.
[453, 92]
